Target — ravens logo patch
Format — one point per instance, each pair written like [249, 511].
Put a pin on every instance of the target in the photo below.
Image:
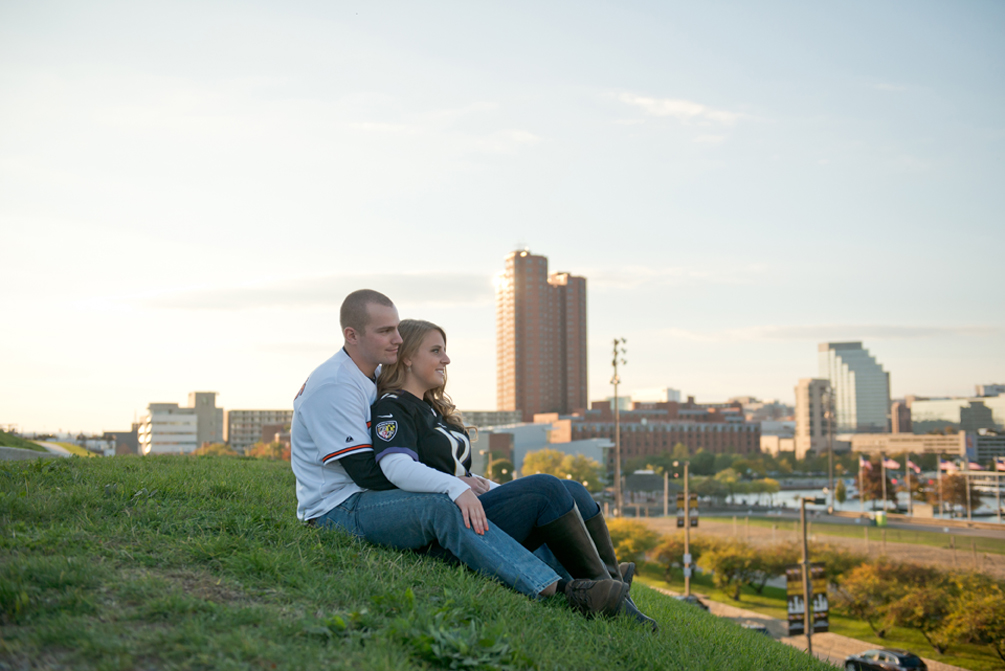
[386, 430]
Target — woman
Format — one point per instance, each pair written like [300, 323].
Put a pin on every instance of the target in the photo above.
[421, 445]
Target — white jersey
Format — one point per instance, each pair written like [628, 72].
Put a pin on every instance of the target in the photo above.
[331, 420]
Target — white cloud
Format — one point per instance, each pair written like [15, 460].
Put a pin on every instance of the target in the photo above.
[327, 292]
[506, 141]
[709, 139]
[896, 88]
[636, 277]
[683, 110]
[833, 333]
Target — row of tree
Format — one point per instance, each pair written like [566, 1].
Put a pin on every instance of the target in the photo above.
[953, 488]
[947, 607]
[257, 451]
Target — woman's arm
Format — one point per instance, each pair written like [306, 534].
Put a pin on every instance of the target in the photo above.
[413, 476]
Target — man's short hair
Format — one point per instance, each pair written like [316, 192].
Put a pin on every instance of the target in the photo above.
[354, 313]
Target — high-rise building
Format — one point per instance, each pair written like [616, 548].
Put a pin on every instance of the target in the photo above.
[540, 338]
[812, 429]
[861, 387]
[210, 426]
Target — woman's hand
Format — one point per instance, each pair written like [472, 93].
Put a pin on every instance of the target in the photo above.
[474, 514]
[478, 484]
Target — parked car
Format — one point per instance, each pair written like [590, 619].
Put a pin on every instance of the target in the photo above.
[693, 600]
[885, 659]
[759, 628]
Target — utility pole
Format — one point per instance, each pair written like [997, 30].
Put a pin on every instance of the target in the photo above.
[619, 351]
[666, 493]
[807, 583]
[830, 446]
[687, 535]
[882, 471]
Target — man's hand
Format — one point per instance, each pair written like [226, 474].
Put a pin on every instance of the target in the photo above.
[474, 514]
[478, 484]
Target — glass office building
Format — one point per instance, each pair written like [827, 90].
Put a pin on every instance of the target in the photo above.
[861, 387]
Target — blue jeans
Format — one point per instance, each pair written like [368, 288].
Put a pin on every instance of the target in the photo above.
[533, 501]
[411, 521]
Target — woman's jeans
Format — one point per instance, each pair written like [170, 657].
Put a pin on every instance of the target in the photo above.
[410, 520]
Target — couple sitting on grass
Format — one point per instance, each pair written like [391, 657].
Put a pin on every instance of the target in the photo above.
[380, 452]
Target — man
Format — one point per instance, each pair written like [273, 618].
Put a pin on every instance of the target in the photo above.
[340, 484]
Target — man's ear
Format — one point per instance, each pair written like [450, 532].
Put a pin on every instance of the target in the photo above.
[349, 333]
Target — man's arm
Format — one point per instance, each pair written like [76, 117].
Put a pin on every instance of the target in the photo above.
[365, 472]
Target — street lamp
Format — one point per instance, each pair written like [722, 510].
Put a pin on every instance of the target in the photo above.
[807, 590]
[619, 351]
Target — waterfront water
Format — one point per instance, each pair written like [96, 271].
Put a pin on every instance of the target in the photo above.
[790, 500]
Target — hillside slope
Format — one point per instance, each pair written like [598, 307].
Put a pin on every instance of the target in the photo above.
[196, 563]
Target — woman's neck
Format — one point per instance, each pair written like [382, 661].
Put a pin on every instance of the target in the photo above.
[413, 387]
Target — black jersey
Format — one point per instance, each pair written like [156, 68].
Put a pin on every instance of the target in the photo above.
[404, 424]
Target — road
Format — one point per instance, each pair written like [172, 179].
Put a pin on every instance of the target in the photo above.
[829, 647]
[926, 525]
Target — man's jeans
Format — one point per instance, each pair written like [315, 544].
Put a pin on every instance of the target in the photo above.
[410, 520]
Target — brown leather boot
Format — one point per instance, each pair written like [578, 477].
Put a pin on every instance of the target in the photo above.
[596, 526]
[597, 597]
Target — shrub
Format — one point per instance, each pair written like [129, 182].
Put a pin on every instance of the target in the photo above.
[632, 539]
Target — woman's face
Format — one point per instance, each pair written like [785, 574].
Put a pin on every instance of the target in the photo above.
[429, 364]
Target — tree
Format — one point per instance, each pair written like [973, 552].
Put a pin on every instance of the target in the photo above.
[734, 565]
[978, 617]
[670, 551]
[584, 470]
[728, 478]
[954, 492]
[576, 467]
[773, 561]
[924, 609]
[275, 451]
[543, 461]
[872, 480]
[500, 470]
[837, 561]
[723, 461]
[218, 449]
[840, 492]
[702, 463]
[631, 539]
[864, 594]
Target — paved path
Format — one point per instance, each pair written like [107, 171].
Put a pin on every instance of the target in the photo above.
[57, 450]
[829, 647]
[20, 454]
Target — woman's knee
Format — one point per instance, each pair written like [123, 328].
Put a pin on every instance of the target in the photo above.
[587, 506]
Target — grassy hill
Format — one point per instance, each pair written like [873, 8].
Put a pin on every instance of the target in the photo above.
[8, 440]
[198, 563]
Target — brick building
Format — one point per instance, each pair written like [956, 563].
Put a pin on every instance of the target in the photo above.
[540, 338]
[650, 429]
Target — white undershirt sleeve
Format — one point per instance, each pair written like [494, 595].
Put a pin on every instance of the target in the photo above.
[413, 476]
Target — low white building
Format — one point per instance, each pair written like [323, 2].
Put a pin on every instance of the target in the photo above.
[167, 428]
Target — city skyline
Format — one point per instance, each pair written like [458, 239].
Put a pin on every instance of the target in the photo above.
[187, 194]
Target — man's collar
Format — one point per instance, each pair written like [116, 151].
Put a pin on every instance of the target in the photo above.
[376, 372]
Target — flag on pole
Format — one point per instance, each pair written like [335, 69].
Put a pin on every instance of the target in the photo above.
[890, 463]
[864, 463]
[974, 466]
[913, 466]
[1000, 463]
[947, 466]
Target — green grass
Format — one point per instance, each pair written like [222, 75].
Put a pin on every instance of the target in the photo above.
[200, 563]
[8, 440]
[76, 450]
[772, 602]
[821, 529]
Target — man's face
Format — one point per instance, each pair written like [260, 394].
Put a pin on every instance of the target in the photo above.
[379, 341]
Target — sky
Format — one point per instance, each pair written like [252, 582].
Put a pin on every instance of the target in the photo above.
[188, 191]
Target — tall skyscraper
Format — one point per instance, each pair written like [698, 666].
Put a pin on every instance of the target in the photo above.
[540, 338]
[861, 387]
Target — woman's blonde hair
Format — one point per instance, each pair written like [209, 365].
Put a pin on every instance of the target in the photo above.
[392, 376]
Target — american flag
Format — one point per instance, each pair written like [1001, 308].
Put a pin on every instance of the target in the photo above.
[947, 466]
[913, 466]
[974, 466]
[1000, 463]
[890, 463]
[864, 463]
